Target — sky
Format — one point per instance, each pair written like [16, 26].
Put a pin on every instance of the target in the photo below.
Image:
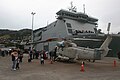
[16, 14]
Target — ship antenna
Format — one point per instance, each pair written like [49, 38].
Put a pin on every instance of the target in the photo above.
[47, 23]
[108, 28]
[72, 8]
[84, 8]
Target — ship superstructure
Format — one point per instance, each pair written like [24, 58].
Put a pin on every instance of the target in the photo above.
[68, 23]
[77, 22]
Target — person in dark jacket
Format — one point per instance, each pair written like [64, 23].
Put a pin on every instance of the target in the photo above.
[14, 55]
[30, 56]
[118, 54]
[20, 55]
[55, 51]
[17, 63]
[51, 53]
[42, 57]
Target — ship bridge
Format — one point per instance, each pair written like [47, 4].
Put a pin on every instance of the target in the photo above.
[76, 16]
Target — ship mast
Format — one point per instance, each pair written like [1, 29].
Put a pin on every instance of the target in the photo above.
[84, 8]
[72, 8]
[108, 28]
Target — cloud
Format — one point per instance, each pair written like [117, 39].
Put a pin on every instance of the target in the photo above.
[16, 14]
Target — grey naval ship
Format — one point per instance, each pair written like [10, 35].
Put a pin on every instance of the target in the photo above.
[77, 26]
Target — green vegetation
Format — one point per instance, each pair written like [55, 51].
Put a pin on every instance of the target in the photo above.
[6, 36]
[13, 37]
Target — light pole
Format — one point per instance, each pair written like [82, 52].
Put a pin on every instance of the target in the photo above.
[33, 13]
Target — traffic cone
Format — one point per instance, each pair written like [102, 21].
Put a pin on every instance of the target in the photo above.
[114, 63]
[82, 68]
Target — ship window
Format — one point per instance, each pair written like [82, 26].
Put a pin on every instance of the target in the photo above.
[70, 30]
[69, 25]
[39, 34]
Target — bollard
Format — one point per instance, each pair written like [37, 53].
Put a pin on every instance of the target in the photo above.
[114, 63]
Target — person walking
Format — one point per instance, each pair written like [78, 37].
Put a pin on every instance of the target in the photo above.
[55, 53]
[36, 54]
[14, 55]
[20, 57]
[30, 56]
[17, 63]
[42, 57]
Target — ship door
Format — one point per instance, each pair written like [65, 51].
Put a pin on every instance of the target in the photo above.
[46, 46]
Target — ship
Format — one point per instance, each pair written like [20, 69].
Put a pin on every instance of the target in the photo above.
[71, 24]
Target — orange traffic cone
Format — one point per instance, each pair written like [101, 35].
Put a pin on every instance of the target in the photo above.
[82, 68]
[114, 63]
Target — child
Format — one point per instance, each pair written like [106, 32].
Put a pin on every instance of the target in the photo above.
[42, 58]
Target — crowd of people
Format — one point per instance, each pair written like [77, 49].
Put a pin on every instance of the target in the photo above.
[17, 56]
[4, 53]
[42, 55]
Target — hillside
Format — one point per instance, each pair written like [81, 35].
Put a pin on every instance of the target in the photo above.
[14, 37]
[8, 35]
